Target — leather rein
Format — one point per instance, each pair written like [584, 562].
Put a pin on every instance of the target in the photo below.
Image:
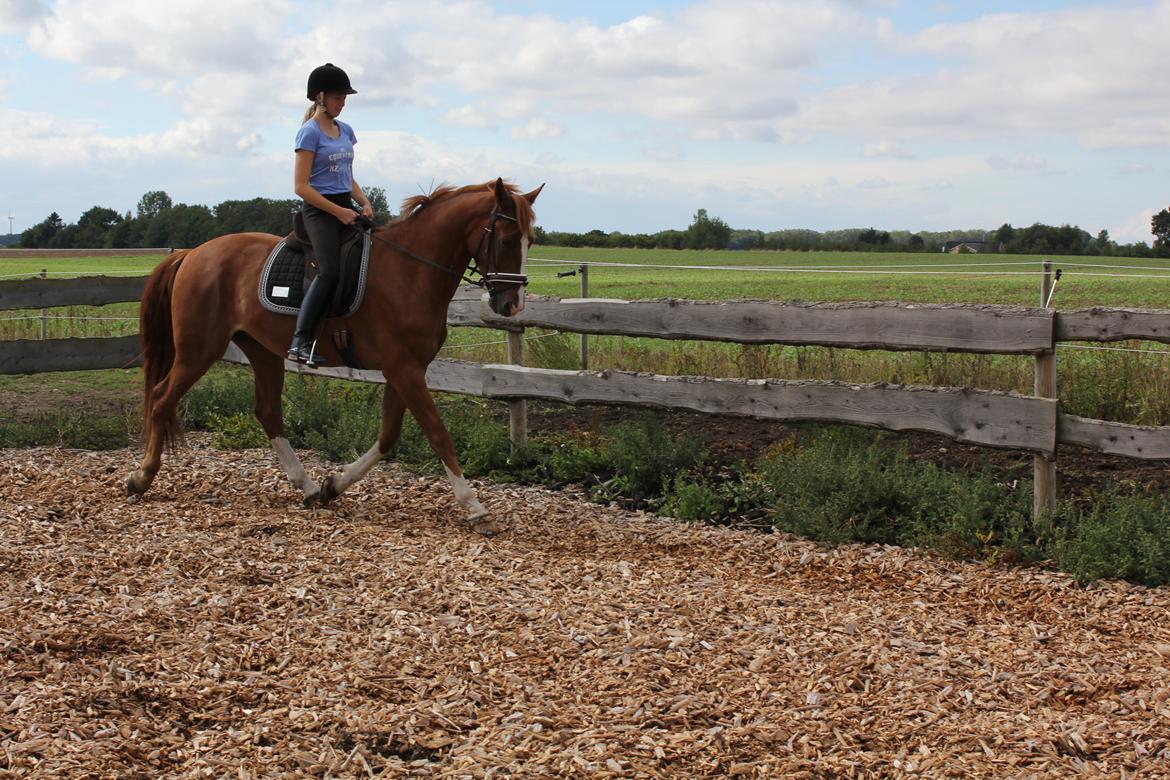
[489, 280]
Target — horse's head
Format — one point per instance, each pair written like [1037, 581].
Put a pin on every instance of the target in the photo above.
[503, 249]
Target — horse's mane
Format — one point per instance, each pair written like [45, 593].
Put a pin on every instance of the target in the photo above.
[416, 203]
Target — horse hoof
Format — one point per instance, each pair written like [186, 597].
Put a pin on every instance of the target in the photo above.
[328, 492]
[135, 485]
[483, 525]
[310, 500]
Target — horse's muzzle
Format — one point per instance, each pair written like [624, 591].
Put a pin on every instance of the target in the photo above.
[506, 293]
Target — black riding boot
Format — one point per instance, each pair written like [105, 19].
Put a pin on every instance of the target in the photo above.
[312, 307]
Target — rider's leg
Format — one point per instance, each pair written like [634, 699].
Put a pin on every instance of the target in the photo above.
[325, 234]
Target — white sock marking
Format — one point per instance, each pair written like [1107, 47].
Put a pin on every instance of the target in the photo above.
[358, 469]
[465, 494]
[292, 466]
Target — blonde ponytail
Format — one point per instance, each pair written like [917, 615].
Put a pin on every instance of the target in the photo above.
[316, 105]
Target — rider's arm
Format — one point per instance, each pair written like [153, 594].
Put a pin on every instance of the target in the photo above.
[363, 201]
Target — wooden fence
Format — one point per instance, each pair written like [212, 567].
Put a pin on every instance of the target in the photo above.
[971, 416]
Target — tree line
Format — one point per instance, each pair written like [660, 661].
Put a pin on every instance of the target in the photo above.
[159, 222]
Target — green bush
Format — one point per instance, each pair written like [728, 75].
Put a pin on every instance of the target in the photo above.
[68, 428]
[1125, 536]
[845, 486]
[222, 392]
[238, 431]
[645, 458]
[573, 459]
[693, 501]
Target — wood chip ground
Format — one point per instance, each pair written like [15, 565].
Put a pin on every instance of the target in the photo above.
[216, 629]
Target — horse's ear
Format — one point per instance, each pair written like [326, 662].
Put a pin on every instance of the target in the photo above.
[501, 192]
[531, 196]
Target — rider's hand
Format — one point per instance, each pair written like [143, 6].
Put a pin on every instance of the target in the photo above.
[368, 211]
[347, 216]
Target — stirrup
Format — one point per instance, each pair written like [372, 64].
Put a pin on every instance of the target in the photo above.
[304, 353]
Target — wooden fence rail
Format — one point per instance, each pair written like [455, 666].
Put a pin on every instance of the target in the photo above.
[979, 417]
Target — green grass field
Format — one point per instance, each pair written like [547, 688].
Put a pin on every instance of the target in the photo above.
[1110, 385]
[855, 276]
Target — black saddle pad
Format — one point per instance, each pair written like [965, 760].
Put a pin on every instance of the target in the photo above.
[284, 279]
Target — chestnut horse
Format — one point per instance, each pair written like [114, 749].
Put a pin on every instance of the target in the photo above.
[198, 300]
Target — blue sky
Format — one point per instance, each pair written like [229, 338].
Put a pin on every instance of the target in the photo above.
[770, 114]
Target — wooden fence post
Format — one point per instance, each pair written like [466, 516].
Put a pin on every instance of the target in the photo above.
[584, 269]
[1044, 386]
[44, 312]
[518, 409]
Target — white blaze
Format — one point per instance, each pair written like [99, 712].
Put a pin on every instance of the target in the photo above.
[523, 262]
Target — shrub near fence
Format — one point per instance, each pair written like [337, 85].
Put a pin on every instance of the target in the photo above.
[985, 418]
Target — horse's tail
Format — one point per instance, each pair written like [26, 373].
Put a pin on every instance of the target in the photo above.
[156, 332]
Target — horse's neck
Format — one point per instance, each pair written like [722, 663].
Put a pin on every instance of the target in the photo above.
[440, 233]
[434, 240]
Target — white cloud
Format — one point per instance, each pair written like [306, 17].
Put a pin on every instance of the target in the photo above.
[725, 69]
[1134, 228]
[468, 116]
[149, 39]
[1027, 163]
[18, 16]
[887, 149]
[1085, 71]
[536, 129]
[874, 183]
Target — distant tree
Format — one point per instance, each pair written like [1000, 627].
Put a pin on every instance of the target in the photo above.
[1160, 227]
[378, 202]
[180, 226]
[746, 239]
[1003, 237]
[670, 239]
[707, 232]
[153, 203]
[94, 227]
[41, 235]
[873, 237]
[916, 243]
[262, 215]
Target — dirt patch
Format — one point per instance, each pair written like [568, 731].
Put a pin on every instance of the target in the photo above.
[216, 629]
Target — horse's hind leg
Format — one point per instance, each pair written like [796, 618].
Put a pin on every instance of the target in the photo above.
[392, 411]
[185, 372]
[268, 370]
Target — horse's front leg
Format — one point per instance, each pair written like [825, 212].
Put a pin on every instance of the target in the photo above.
[392, 412]
[412, 388]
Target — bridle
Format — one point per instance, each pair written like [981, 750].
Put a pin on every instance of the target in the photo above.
[490, 280]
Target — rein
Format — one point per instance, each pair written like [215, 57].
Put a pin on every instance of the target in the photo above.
[487, 280]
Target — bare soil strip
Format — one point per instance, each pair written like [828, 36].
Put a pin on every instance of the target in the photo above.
[215, 629]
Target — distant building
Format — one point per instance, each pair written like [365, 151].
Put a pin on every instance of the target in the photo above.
[970, 245]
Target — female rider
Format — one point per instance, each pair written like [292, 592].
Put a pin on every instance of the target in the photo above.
[324, 180]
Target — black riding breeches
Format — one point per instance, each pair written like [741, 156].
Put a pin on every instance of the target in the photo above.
[324, 231]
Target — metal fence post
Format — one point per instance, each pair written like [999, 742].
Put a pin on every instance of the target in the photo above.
[1044, 386]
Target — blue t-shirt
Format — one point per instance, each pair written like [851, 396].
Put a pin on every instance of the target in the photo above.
[332, 157]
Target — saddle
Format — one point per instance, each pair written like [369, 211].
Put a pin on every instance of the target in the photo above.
[291, 266]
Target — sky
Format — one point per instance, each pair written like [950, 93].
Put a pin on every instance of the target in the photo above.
[770, 114]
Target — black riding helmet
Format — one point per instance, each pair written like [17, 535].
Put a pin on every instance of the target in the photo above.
[329, 78]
